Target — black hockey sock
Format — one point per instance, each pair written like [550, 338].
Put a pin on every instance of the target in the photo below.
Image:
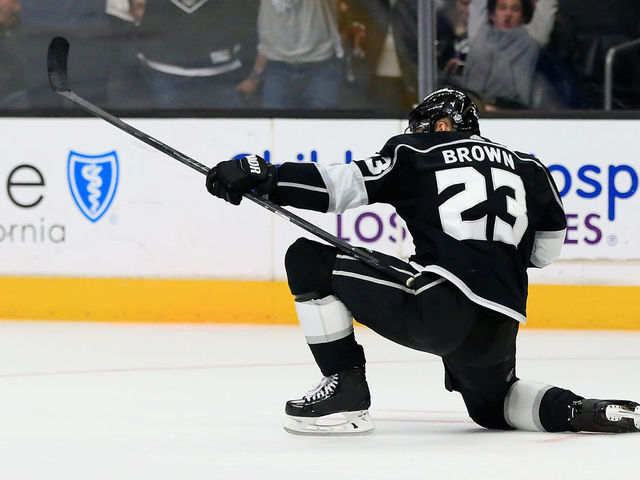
[338, 356]
[554, 409]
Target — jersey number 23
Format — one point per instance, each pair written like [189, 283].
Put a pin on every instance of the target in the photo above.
[475, 192]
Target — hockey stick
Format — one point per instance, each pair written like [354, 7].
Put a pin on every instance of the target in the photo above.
[57, 56]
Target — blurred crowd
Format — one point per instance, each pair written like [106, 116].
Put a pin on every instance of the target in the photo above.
[318, 54]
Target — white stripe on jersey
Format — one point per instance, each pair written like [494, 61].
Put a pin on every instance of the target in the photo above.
[349, 257]
[445, 275]
[469, 294]
[546, 247]
[379, 281]
[388, 283]
[551, 184]
[303, 187]
[345, 186]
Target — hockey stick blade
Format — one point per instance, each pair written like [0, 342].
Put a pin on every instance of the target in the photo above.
[57, 66]
[57, 55]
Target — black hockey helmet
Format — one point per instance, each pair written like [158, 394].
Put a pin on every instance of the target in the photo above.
[445, 102]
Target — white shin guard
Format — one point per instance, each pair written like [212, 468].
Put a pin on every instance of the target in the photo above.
[324, 320]
[522, 405]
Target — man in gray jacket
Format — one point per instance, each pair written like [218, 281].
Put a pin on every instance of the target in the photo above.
[506, 37]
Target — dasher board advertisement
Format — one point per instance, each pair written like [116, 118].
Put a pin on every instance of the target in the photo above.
[81, 198]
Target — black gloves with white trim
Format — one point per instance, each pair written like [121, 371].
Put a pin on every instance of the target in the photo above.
[230, 179]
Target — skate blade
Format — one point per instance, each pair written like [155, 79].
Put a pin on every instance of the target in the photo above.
[353, 423]
[615, 413]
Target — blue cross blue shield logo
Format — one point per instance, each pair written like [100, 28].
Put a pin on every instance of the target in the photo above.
[93, 180]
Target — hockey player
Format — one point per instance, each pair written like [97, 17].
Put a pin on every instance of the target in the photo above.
[480, 214]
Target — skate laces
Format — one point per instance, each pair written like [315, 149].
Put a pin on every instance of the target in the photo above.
[324, 388]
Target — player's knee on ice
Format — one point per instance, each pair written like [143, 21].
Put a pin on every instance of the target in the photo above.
[488, 415]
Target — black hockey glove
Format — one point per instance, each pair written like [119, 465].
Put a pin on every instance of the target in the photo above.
[230, 179]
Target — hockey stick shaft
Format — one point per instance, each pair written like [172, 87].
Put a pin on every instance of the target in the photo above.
[57, 57]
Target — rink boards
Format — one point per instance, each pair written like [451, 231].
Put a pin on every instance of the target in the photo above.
[95, 225]
[210, 301]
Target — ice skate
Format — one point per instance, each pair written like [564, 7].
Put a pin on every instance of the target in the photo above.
[344, 394]
[616, 416]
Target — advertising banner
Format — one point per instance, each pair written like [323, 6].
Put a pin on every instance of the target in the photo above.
[81, 198]
[595, 164]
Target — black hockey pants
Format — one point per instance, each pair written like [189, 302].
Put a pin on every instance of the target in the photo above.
[477, 345]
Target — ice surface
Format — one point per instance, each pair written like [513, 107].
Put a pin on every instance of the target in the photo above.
[138, 401]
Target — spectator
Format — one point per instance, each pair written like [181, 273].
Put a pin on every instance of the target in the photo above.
[453, 41]
[506, 37]
[388, 68]
[85, 24]
[194, 53]
[299, 55]
[12, 93]
[9, 14]
[128, 10]
[352, 33]
[126, 90]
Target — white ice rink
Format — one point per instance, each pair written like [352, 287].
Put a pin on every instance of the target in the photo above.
[111, 401]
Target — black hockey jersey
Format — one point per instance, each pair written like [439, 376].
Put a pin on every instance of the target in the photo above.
[198, 37]
[479, 213]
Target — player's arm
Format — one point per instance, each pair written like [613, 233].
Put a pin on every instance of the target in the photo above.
[543, 20]
[551, 228]
[313, 186]
[478, 17]
[310, 186]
